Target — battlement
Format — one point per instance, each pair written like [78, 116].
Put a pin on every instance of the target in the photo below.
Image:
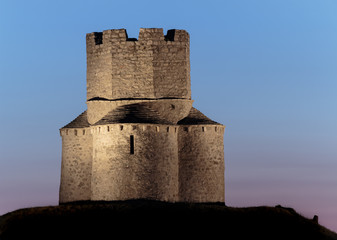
[145, 35]
[141, 127]
[153, 66]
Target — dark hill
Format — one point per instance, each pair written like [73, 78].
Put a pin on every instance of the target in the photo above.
[158, 220]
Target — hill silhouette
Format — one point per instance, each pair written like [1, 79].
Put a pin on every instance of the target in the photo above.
[154, 219]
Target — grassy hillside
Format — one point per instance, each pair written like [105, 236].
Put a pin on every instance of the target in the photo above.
[153, 219]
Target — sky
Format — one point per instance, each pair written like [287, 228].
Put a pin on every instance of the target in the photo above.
[265, 69]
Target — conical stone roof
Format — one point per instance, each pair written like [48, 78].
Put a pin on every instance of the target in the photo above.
[139, 113]
[195, 117]
[133, 113]
[80, 122]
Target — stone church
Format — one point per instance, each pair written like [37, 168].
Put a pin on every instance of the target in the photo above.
[140, 137]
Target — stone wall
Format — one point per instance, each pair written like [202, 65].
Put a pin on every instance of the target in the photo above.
[150, 172]
[154, 66]
[164, 162]
[76, 164]
[201, 163]
[171, 66]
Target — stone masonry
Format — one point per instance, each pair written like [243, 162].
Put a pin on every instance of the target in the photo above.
[140, 137]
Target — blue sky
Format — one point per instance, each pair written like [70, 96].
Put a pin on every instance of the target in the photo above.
[265, 69]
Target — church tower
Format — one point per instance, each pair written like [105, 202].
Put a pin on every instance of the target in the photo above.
[140, 137]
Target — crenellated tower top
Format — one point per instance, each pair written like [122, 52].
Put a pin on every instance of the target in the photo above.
[154, 66]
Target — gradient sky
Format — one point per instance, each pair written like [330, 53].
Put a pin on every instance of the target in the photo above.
[265, 69]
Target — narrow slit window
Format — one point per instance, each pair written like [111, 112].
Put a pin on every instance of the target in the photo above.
[132, 144]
